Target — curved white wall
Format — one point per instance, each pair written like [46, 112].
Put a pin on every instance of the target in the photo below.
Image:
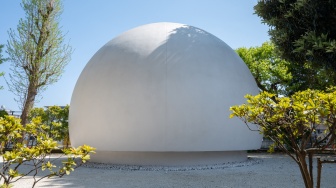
[162, 87]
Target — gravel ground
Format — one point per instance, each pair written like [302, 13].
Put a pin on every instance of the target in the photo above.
[261, 170]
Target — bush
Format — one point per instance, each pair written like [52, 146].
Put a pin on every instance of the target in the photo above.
[37, 156]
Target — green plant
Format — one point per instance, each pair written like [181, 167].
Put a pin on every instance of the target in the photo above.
[37, 157]
[302, 30]
[304, 34]
[37, 51]
[55, 120]
[1, 61]
[3, 113]
[268, 69]
[292, 122]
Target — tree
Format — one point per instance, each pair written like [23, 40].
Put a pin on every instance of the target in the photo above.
[304, 32]
[55, 120]
[37, 52]
[64, 128]
[2, 59]
[268, 69]
[36, 158]
[307, 76]
[293, 122]
[275, 75]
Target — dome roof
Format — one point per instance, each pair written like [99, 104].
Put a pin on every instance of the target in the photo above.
[162, 87]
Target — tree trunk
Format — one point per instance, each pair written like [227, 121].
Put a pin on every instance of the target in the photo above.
[28, 104]
[306, 176]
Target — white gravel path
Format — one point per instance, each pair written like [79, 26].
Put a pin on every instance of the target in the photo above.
[262, 170]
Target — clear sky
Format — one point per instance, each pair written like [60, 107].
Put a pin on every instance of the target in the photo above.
[89, 24]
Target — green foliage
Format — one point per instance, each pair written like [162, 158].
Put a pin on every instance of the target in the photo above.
[54, 121]
[292, 122]
[3, 113]
[37, 52]
[274, 75]
[269, 70]
[10, 128]
[306, 75]
[36, 157]
[2, 59]
[304, 32]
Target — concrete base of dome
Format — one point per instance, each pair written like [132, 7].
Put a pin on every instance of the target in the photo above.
[169, 158]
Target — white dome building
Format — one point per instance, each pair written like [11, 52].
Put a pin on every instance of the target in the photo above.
[160, 94]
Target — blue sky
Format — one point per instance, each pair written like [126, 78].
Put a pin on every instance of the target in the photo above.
[89, 24]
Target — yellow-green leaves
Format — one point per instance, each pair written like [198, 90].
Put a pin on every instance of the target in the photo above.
[82, 151]
[290, 120]
[12, 156]
[10, 128]
[47, 145]
[6, 186]
[48, 165]
[36, 156]
[85, 158]
[68, 166]
[13, 173]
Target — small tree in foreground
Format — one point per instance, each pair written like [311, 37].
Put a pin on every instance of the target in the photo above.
[36, 158]
[292, 122]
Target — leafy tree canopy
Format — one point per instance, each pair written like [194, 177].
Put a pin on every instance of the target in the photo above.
[269, 70]
[275, 75]
[302, 30]
[307, 76]
[55, 120]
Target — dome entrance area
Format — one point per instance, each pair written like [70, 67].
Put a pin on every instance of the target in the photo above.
[161, 92]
